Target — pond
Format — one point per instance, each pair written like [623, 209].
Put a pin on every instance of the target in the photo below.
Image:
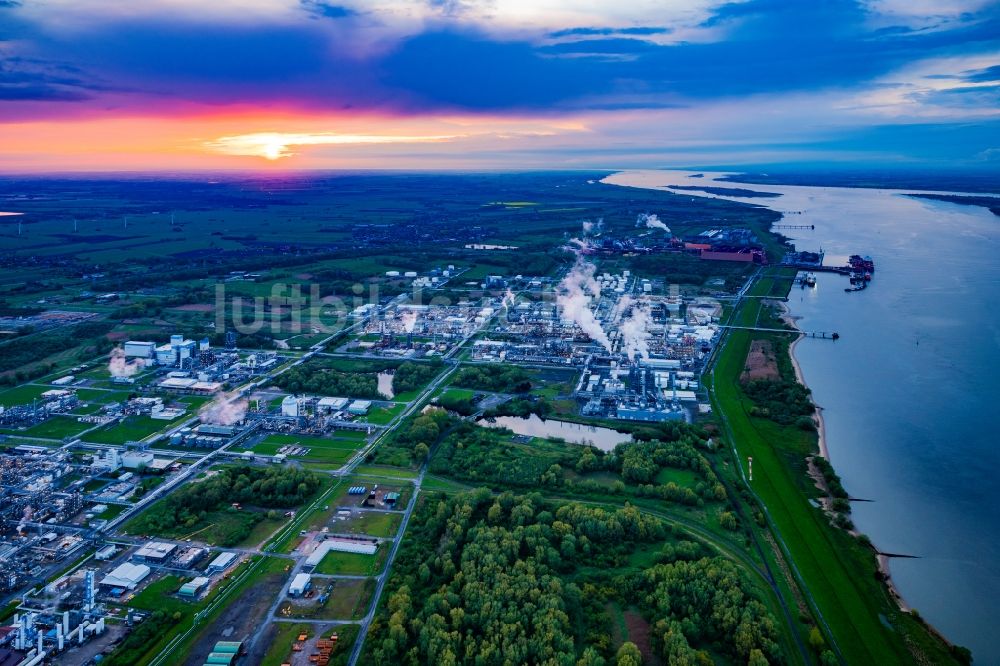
[604, 439]
[385, 384]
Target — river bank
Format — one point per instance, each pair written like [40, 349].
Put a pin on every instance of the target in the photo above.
[792, 321]
[921, 338]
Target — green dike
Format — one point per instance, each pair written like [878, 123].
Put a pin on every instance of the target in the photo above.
[837, 571]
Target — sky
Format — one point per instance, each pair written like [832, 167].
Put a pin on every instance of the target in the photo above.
[106, 85]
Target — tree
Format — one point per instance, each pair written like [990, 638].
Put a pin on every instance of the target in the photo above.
[816, 641]
[628, 655]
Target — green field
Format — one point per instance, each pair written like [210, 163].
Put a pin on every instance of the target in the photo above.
[372, 523]
[353, 564]
[131, 429]
[335, 449]
[55, 427]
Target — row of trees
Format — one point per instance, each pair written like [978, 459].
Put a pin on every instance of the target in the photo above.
[414, 376]
[784, 401]
[308, 378]
[494, 378]
[412, 441]
[26, 350]
[279, 487]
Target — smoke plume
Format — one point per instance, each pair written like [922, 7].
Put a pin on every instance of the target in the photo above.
[635, 332]
[651, 221]
[119, 366]
[225, 409]
[573, 296]
[593, 228]
[409, 318]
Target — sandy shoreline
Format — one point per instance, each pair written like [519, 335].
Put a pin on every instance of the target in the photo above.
[881, 558]
[820, 423]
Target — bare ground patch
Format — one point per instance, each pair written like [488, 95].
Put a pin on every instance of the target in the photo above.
[761, 362]
[242, 618]
[638, 633]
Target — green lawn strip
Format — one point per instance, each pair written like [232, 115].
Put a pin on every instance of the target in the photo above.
[353, 564]
[371, 523]
[383, 415]
[131, 429]
[833, 566]
[387, 472]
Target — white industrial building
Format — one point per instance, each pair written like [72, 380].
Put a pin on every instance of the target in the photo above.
[332, 404]
[341, 546]
[155, 551]
[139, 349]
[126, 575]
[300, 584]
[221, 562]
[137, 459]
[360, 407]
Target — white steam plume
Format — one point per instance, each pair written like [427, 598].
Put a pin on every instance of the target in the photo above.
[635, 332]
[119, 366]
[593, 228]
[621, 307]
[409, 318]
[225, 409]
[573, 295]
[651, 221]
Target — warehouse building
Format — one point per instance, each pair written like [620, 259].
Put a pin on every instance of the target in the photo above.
[126, 576]
[300, 584]
[156, 552]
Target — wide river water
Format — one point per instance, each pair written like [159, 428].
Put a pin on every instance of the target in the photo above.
[911, 391]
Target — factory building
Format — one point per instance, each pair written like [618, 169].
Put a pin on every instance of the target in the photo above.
[364, 547]
[126, 576]
[139, 349]
[300, 584]
[156, 552]
[193, 587]
[360, 407]
[221, 563]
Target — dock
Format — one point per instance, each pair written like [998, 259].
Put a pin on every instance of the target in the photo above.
[794, 226]
[821, 335]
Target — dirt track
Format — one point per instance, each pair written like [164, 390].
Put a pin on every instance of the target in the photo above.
[241, 618]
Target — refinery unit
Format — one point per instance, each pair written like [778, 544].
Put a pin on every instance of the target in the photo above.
[422, 331]
[640, 352]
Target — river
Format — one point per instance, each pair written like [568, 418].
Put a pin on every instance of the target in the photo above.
[908, 391]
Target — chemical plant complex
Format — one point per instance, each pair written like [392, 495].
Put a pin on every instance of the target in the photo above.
[89, 451]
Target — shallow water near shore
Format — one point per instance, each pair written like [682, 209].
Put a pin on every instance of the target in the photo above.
[908, 392]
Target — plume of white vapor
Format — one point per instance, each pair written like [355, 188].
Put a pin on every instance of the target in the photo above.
[119, 366]
[409, 318]
[651, 221]
[225, 409]
[574, 294]
[592, 228]
[635, 332]
[621, 307]
[508, 299]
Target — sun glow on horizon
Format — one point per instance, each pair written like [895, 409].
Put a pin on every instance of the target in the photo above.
[277, 145]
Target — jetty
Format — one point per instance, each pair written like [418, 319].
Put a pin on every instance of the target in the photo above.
[794, 226]
[822, 335]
